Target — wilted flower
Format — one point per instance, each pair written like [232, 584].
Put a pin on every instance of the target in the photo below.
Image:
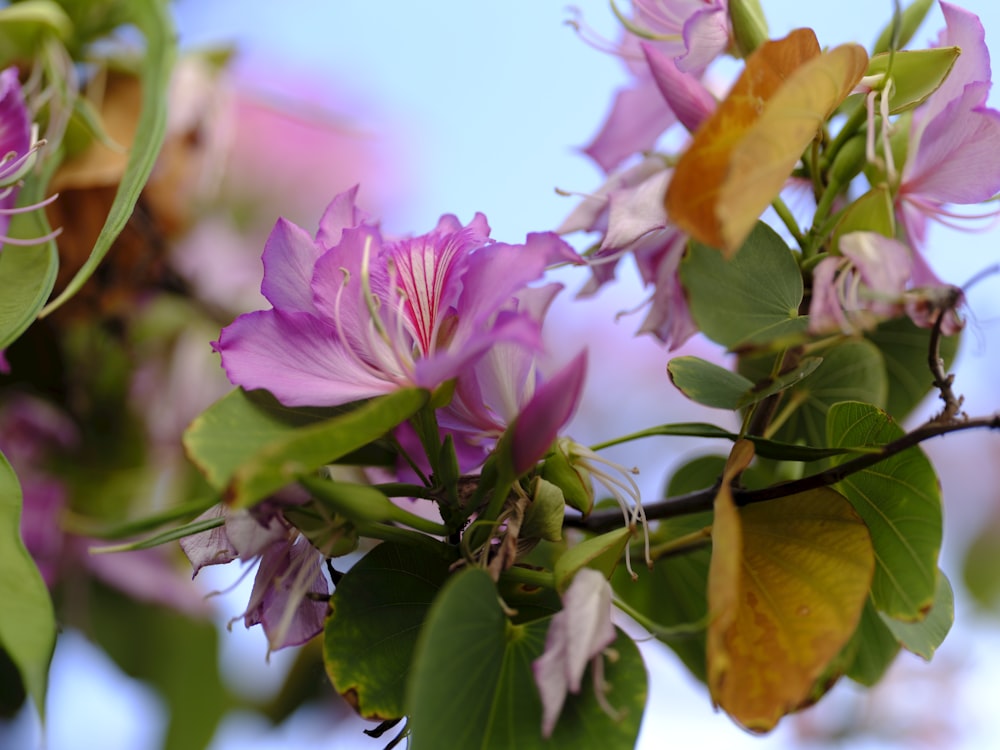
[356, 315]
[577, 636]
[290, 584]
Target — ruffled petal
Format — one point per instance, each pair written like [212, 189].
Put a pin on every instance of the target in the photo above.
[289, 257]
[548, 411]
[638, 116]
[341, 214]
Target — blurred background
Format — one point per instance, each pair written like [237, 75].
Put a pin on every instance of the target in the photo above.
[458, 107]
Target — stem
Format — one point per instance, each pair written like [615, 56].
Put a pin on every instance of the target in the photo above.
[543, 579]
[402, 489]
[389, 533]
[854, 122]
[682, 544]
[785, 214]
[662, 631]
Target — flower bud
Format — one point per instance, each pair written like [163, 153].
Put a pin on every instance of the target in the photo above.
[570, 475]
[543, 518]
[749, 25]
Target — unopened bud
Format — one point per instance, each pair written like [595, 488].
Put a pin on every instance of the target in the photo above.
[571, 476]
[749, 25]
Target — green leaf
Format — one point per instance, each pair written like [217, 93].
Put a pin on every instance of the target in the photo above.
[872, 648]
[153, 20]
[375, 616]
[923, 638]
[909, 21]
[916, 74]
[602, 552]
[749, 300]
[27, 274]
[904, 348]
[707, 383]
[872, 212]
[900, 501]
[762, 447]
[851, 371]
[472, 684]
[27, 621]
[250, 446]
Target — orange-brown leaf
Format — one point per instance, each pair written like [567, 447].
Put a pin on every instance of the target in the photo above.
[742, 155]
[804, 572]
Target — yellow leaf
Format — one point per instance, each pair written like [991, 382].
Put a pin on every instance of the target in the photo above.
[803, 573]
[742, 155]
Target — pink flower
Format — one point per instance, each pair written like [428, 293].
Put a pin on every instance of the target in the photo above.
[506, 388]
[18, 151]
[869, 284]
[355, 315]
[577, 636]
[954, 152]
[691, 33]
[629, 211]
[289, 586]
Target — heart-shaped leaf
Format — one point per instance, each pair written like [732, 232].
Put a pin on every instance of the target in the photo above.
[367, 653]
[751, 299]
[472, 684]
[787, 584]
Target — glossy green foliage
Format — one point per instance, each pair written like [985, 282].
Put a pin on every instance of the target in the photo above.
[752, 299]
[472, 684]
[900, 501]
[375, 616]
[249, 446]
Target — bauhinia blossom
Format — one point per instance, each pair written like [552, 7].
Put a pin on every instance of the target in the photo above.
[868, 283]
[356, 315]
[630, 212]
[18, 151]
[690, 34]
[289, 588]
[506, 389]
[577, 636]
[954, 150]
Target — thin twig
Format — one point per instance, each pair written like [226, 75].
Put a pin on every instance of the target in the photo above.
[702, 500]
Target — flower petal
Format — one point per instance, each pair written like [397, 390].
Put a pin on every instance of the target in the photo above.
[548, 411]
[298, 358]
[684, 93]
[638, 116]
[581, 630]
[341, 214]
[289, 257]
[958, 157]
